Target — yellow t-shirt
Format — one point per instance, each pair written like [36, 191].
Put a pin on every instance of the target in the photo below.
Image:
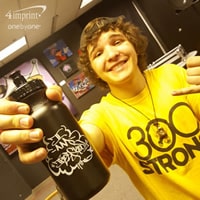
[161, 169]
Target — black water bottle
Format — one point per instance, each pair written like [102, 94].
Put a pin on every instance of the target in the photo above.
[73, 163]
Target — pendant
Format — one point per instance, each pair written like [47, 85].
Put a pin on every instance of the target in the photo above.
[162, 134]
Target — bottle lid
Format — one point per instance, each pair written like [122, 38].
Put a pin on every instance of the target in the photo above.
[24, 88]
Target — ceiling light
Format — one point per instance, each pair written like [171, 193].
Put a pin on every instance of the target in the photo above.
[85, 3]
[10, 49]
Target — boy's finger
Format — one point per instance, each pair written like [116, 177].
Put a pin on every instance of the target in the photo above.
[193, 61]
[54, 93]
[189, 90]
[21, 136]
[32, 157]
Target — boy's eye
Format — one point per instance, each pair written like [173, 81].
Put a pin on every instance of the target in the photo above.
[116, 42]
[97, 54]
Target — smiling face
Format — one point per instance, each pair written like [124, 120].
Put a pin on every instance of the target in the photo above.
[95, 36]
[114, 59]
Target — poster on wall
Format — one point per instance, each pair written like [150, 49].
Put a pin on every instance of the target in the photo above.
[57, 53]
[68, 68]
[80, 85]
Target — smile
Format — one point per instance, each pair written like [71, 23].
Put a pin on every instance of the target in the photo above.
[117, 67]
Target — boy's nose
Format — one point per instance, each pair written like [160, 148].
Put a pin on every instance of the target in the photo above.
[112, 53]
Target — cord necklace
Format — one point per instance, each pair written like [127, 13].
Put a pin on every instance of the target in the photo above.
[160, 132]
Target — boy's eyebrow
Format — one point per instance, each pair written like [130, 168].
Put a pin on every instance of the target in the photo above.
[116, 34]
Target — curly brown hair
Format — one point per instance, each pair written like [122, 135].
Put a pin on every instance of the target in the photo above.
[92, 32]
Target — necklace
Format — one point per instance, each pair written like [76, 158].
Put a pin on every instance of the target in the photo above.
[161, 133]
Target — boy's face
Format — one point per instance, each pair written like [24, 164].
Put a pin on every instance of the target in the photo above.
[113, 58]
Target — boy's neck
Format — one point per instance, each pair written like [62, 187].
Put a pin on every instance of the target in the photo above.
[129, 90]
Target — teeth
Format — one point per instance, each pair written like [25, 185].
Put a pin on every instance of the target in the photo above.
[116, 68]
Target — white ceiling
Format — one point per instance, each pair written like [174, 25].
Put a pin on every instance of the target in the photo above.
[58, 13]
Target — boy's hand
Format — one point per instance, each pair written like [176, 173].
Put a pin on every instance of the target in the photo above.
[193, 77]
[16, 123]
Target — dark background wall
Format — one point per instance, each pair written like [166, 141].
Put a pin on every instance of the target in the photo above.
[169, 26]
[173, 25]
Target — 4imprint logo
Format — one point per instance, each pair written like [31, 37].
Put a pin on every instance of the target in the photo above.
[29, 13]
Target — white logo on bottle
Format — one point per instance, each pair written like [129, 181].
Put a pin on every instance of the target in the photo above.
[67, 151]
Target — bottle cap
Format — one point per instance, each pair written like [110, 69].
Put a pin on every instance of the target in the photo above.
[24, 88]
